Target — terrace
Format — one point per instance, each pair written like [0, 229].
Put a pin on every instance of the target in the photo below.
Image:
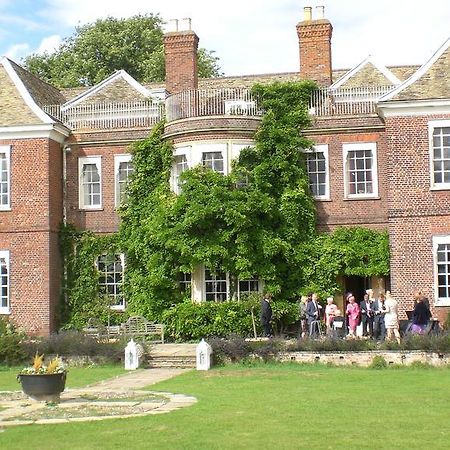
[211, 103]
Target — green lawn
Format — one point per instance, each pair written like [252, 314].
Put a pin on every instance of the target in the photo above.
[275, 407]
[77, 377]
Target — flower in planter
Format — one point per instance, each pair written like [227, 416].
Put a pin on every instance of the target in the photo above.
[39, 368]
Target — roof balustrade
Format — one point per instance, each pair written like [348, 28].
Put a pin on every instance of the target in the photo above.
[206, 103]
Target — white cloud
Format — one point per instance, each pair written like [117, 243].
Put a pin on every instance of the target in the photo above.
[259, 36]
[49, 44]
[15, 20]
[17, 51]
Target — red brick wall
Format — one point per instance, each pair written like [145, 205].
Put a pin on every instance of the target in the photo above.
[30, 232]
[416, 213]
[315, 50]
[104, 220]
[181, 61]
[339, 211]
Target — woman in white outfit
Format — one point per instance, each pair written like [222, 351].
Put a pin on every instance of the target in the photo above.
[391, 317]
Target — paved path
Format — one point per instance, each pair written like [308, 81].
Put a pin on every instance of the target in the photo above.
[131, 384]
[134, 380]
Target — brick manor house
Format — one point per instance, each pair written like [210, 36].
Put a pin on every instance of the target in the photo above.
[381, 160]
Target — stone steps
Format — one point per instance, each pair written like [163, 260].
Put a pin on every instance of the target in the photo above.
[171, 361]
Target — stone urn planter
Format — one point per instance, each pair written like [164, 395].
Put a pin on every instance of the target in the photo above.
[45, 387]
[43, 382]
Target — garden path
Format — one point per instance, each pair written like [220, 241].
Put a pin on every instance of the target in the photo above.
[121, 396]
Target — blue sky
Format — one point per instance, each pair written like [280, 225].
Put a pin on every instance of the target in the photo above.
[249, 36]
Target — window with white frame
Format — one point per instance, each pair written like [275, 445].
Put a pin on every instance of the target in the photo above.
[439, 132]
[441, 250]
[317, 167]
[123, 168]
[181, 162]
[249, 286]
[4, 282]
[216, 284]
[185, 280]
[5, 174]
[213, 161]
[110, 279]
[90, 182]
[360, 170]
[179, 165]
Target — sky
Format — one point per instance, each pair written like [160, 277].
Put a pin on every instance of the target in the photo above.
[248, 36]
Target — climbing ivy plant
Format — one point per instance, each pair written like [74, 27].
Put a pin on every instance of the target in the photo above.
[257, 221]
[81, 297]
[350, 251]
[248, 223]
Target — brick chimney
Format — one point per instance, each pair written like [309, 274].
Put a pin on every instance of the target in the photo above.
[314, 38]
[180, 48]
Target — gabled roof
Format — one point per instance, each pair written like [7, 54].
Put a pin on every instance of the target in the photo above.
[430, 81]
[114, 87]
[368, 72]
[33, 93]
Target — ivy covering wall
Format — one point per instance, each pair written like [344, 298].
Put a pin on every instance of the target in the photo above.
[257, 221]
[81, 297]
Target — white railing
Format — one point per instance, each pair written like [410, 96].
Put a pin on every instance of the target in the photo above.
[346, 101]
[211, 102]
[101, 116]
[207, 102]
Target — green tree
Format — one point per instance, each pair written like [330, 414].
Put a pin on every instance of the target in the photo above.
[247, 228]
[96, 50]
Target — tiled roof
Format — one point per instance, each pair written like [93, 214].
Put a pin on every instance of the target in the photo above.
[430, 82]
[14, 109]
[369, 76]
[403, 72]
[368, 73]
[41, 92]
[117, 87]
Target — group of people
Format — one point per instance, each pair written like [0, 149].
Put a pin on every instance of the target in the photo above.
[378, 316]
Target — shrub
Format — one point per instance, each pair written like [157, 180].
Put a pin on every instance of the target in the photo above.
[333, 345]
[232, 349]
[421, 365]
[446, 324]
[378, 362]
[193, 321]
[236, 349]
[74, 343]
[11, 350]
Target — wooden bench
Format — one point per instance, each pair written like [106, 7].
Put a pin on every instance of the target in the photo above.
[94, 328]
[136, 327]
[140, 327]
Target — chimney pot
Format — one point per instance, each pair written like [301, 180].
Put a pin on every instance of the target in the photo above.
[320, 12]
[315, 48]
[171, 26]
[186, 24]
[307, 14]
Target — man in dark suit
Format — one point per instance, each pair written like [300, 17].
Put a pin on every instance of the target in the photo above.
[313, 315]
[367, 314]
[266, 314]
[379, 329]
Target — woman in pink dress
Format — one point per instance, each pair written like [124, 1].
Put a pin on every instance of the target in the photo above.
[352, 315]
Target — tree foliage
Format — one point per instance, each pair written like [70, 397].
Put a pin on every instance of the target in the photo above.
[257, 221]
[97, 50]
[81, 297]
[350, 251]
[250, 229]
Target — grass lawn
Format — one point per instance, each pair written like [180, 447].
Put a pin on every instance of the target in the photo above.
[77, 377]
[275, 407]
